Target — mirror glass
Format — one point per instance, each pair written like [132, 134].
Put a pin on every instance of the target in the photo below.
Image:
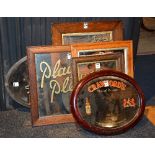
[108, 101]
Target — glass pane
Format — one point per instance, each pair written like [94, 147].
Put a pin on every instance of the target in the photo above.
[70, 38]
[90, 67]
[108, 101]
[17, 82]
[54, 83]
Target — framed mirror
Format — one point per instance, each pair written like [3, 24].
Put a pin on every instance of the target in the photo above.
[104, 48]
[83, 32]
[50, 84]
[16, 82]
[107, 102]
[82, 66]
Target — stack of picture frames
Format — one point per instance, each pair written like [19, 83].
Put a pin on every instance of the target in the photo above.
[77, 49]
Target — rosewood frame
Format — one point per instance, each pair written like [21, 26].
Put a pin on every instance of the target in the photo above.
[58, 29]
[52, 119]
[76, 60]
[83, 123]
[125, 45]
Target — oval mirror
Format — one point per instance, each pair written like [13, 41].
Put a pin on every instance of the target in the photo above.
[16, 82]
[107, 102]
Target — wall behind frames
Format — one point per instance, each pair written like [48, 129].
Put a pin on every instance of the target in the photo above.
[17, 33]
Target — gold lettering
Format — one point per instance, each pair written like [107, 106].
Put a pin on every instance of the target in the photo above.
[65, 84]
[54, 85]
[60, 71]
[55, 69]
[46, 72]
[101, 37]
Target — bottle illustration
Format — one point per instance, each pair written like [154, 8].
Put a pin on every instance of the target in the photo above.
[88, 107]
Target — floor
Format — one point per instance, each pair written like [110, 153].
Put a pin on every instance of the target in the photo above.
[16, 124]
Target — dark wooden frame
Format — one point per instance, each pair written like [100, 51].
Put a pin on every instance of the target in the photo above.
[81, 84]
[57, 29]
[118, 57]
[52, 119]
[125, 45]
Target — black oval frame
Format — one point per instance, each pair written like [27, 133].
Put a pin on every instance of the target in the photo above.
[105, 130]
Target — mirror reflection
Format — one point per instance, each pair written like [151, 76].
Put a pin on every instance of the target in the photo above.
[54, 83]
[108, 102]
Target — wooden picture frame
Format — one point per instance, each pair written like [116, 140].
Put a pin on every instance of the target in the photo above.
[107, 102]
[82, 66]
[103, 48]
[81, 32]
[49, 79]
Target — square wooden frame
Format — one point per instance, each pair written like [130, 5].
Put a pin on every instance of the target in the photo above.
[126, 46]
[52, 119]
[92, 59]
[58, 29]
